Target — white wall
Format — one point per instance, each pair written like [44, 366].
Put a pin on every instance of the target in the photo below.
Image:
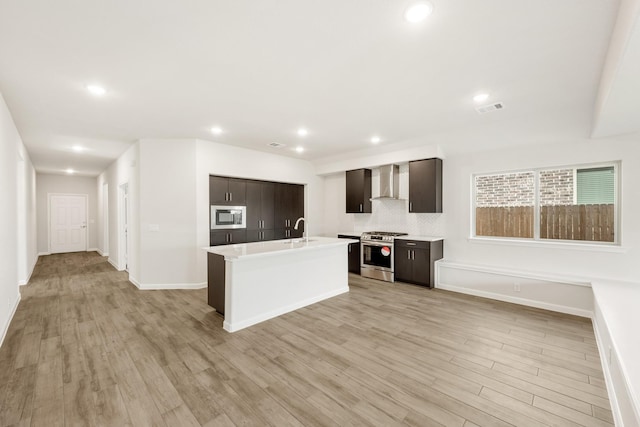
[550, 259]
[12, 153]
[27, 250]
[168, 213]
[48, 184]
[123, 171]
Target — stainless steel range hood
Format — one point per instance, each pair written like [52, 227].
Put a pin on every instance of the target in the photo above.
[389, 177]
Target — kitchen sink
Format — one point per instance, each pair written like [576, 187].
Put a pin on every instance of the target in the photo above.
[300, 240]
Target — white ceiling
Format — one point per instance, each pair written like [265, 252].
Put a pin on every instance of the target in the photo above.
[344, 69]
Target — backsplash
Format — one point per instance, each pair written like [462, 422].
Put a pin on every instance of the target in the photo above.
[393, 215]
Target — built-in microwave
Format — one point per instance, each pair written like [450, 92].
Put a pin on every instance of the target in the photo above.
[228, 217]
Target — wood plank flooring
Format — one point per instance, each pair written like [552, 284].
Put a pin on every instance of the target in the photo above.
[86, 348]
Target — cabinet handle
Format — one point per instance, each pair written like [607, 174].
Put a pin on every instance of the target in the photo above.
[411, 244]
[413, 255]
[349, 248]
[410, 206]
[408, 253]
[231, 197]
[230, 238]
[360, 207]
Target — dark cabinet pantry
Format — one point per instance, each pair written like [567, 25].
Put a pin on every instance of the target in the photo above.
[289, 206]
[358, 191]
[260, 210]
[425, 186]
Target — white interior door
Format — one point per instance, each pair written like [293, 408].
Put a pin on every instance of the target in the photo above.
[68, 223]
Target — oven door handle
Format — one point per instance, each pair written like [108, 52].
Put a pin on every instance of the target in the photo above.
[376, 244]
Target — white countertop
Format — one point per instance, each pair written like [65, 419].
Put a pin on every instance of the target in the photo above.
[275, 247]
[421, 238]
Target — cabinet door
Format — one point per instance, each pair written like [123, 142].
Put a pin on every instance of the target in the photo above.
[254, 205]
[358, 191]
[354, 258]
[403, 264]
[227, 237]
[219, 237]
[421, 267]
[283, 202]
[237, 192]
[218, 190]
[215, 281]
[268, 205]
[425, 186]
[297, 209]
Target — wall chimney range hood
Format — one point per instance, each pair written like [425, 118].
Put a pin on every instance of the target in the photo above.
[389, 177]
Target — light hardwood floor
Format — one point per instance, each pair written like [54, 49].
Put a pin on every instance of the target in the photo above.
[87, 348]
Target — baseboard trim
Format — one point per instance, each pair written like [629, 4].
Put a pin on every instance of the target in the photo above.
[31, 268]
[102, 253]
[165, 286]
[93, 250]
[522, 301]
[44, 253]
[5, 328]
[113, 264]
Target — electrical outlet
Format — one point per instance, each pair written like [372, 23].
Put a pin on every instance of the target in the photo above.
[516, 287]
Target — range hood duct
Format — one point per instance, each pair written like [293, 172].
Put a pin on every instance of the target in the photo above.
[389, 177]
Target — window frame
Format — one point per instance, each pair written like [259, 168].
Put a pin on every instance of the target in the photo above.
[536, 240]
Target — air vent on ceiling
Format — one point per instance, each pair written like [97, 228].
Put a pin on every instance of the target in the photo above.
[489, 108]
[275, 145]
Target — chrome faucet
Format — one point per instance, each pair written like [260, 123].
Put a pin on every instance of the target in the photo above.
[304, 233]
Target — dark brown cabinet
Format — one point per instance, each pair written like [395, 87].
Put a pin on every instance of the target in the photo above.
[227, 237]
[414, 261]
[425, 186]
[289, 206]
[354, 253]
[215, 280]
[260, 210]
[272, 209]
[227, 191]
[358, 191]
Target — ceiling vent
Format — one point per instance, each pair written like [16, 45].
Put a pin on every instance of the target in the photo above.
[489, 108]
[275, 145]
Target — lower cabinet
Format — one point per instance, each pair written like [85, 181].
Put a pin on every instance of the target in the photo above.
[260, 235]
[227, 237]
[354, 254]
[414, 261]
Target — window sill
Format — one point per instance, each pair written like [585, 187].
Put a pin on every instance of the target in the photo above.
[592, 247]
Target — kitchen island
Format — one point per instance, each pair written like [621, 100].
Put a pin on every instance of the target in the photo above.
[253, 282]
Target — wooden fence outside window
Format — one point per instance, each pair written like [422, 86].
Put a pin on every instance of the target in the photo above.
[564, 222]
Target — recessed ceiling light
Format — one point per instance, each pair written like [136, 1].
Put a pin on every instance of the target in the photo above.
[375, 139]
[216, 130]
[96, 90]
[70, 171]
[303, 132]
[78, 148]
[481, 97]
[418, 12]
[299, 149]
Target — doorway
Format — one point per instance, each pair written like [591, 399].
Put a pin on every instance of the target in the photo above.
[67, 223]
[105, 220]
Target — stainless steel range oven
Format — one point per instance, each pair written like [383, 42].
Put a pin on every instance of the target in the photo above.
[376, 255]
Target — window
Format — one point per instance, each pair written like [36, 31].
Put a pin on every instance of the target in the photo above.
[571, 204]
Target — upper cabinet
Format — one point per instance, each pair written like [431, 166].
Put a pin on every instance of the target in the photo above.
[358, 191]
[227, 191]
[425, 186]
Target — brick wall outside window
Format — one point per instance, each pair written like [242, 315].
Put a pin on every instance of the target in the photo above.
[510, 189]
[556, 187]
